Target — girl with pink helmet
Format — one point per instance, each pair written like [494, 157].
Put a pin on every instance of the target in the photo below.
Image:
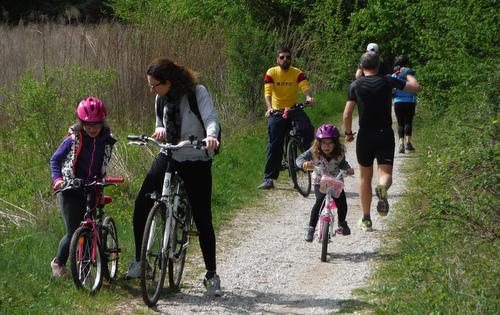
[326, 157]
[83, 156]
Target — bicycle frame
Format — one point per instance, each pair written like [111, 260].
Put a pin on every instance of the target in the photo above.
[292, 133]
[169, 207]
[293, 144]
[94, 211]
[161, 247]
[326, 215]
[329, 205]
[95, 228]
[165, 197]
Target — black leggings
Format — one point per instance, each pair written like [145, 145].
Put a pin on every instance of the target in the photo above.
[72, 204]
[197, 177]
[341, 202]
[404, 115]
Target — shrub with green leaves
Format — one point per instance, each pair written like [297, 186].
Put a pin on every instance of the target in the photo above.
[38, 115]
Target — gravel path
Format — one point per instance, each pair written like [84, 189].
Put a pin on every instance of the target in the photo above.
[267, 268]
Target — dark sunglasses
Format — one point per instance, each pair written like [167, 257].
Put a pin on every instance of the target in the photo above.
[287, 57]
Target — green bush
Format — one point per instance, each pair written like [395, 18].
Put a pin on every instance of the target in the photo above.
[38, 115]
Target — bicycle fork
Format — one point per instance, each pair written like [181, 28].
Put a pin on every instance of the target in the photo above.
[327, 216]
[168, 219]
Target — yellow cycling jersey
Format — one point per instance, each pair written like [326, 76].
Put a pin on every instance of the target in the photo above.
[283, 86]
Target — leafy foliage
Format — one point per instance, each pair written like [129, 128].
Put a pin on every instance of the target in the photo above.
[38, 116]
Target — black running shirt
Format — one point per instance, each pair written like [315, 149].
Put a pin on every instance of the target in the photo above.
[373, 95]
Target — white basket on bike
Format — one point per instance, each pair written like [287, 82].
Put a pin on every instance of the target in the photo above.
[330, 185]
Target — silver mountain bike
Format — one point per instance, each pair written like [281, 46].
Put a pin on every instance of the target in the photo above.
[168, 227]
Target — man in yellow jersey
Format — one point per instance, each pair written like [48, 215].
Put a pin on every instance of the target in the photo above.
[281, 86]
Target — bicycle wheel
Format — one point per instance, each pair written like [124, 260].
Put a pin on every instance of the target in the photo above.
[86, 267]
[180, 242]
[324, 241]
[153, 261]
[110, 250]
[301, 179]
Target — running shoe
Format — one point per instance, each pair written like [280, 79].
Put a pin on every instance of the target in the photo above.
[343, 229]
[383, 204]
[366, 225]
[213, 285]
[134, 270]
[266, 184]
[409, 147]
[57, 270]
[309, 234]
[402, 148]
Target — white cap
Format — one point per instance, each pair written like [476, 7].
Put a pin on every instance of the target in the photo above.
[372, 47]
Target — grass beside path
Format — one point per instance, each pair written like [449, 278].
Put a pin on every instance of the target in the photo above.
[443, 246]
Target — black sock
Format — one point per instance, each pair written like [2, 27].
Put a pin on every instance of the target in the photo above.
[366, 217]
[210, 274]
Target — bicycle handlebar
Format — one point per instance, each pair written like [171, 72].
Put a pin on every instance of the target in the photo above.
[192, 142]
[78, 183]
[284, 112]
[341, 174]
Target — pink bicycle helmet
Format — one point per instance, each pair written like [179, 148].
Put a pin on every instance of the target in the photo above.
[327, 131]
[91, 110]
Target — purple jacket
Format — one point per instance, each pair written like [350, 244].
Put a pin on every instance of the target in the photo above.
[80, 156]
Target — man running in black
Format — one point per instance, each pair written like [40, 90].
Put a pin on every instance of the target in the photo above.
[373, 93]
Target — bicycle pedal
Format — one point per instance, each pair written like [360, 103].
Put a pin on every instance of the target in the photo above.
[193, 233]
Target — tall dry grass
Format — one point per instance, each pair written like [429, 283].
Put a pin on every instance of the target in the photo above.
[125, 49]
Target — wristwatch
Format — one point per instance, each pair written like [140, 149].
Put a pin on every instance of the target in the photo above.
[349, 133]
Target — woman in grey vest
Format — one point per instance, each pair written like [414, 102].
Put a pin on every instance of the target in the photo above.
[174, 85]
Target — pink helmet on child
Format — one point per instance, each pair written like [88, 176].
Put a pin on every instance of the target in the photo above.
[327, 131]
[91, 110]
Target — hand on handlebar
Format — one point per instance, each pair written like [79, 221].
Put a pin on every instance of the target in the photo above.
[159, 134]
[308, 166]
[211, 142]
[310, 100]
[58, 184]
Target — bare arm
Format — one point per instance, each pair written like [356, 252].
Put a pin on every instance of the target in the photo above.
[309, 97]
[347, 117]
[269, 105]
[411, 84]
[359, 73]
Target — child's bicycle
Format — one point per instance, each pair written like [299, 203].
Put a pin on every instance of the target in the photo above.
[332, 187]
[293, 146]
[94, 250]
[168, 227]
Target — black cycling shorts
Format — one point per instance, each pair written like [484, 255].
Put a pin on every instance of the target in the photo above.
[374, 144]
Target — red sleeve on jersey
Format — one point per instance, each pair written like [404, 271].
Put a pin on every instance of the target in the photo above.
[301, 77]
[268, 79]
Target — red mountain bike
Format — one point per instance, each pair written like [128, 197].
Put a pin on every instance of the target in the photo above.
[94, 250]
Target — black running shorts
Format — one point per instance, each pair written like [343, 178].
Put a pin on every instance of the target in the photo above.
[374, 144]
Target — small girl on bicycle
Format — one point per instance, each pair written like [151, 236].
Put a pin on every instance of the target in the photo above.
[326, 156]
[82, 157]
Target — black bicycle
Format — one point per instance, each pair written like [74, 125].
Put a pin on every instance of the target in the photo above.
[168, 227]
[293, 146]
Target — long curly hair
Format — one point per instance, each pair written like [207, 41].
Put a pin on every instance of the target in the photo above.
[337, 150]
[181, 78]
